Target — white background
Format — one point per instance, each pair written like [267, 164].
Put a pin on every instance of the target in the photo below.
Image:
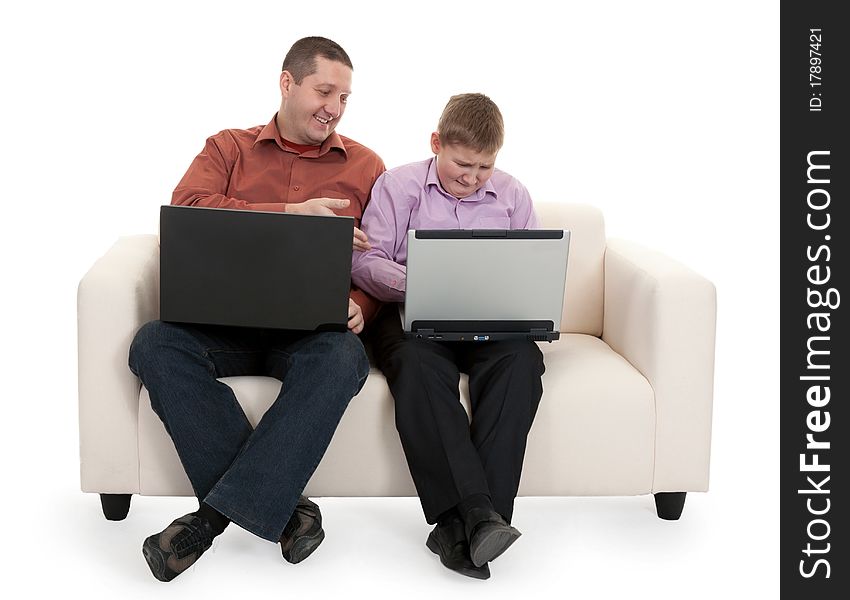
[663, 114]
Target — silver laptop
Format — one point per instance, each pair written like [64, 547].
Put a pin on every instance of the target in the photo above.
[482, 285]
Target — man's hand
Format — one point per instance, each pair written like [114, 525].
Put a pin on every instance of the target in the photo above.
[318, 206]
[324, 207]
[355, 317]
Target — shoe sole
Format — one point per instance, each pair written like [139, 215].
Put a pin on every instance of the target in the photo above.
[156, 558]
[303, 547]
[492, 545]
[434, 547]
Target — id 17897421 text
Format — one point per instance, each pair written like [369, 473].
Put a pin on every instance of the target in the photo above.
[815, 70]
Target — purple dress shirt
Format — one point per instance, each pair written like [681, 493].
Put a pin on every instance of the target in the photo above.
[411, 197]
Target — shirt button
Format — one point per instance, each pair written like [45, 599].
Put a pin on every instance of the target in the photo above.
[296, 188]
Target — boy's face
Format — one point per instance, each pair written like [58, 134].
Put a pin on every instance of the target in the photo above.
[462, 170]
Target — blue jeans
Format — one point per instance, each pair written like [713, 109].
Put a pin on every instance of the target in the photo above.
[252, 476]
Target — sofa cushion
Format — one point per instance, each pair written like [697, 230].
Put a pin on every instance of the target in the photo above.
[593, 434]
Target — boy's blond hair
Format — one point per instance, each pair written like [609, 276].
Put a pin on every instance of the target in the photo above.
[472, 120]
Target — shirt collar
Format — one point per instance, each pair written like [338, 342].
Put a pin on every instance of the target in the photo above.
[432, 179]
[270, 132]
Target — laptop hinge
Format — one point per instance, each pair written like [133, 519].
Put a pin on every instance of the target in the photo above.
[542, 335]
[424, 333]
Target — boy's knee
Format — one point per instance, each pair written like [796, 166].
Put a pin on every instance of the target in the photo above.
[530, 353]
[407, 359]
[524, 355]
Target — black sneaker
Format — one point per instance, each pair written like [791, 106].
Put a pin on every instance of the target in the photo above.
[303, 533]
[177, 547]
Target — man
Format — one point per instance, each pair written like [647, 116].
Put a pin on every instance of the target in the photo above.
[254, 477]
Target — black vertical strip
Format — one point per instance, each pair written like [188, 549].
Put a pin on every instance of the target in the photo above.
[814, 392]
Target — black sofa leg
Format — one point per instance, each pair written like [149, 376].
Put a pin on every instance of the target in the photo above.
[669, 505]
[115, 506]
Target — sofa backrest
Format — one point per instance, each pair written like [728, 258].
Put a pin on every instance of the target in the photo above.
[585, 274]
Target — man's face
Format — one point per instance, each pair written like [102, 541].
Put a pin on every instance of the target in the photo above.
[461, 170]
[311, 110]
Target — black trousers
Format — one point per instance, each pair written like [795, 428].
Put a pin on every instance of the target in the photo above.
[449, 458]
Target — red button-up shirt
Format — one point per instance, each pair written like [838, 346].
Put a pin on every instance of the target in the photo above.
[253, 169]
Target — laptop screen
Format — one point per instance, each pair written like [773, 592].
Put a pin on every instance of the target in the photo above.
[480, 285]
[254, 269]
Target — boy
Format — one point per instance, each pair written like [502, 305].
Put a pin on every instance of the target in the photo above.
[466, 475]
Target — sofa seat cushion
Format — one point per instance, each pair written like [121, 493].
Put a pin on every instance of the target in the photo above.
[593, 435]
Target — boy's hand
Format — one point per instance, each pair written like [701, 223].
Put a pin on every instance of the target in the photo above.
[361, 241]
[355, 317]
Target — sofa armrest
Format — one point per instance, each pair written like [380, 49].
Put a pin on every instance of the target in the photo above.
[118, 295]
[661, 316]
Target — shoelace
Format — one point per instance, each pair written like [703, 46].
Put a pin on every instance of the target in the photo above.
[194, 537]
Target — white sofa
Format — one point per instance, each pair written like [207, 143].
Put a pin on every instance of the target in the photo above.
[626, 408]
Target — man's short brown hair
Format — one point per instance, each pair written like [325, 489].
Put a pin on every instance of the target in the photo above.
[300, 61]
[472, 120]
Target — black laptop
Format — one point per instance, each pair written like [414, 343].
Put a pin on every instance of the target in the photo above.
[254, 269]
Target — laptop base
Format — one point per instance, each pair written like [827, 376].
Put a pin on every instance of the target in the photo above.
[483, 331]
[549, 336]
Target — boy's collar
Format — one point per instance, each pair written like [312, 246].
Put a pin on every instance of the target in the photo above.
[433, 179]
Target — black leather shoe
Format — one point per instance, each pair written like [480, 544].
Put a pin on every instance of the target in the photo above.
[303, 533]
[488, 534]
[448, 541]
[177, 547]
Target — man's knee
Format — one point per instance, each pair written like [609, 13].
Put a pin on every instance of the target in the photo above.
[145, 343]
[345, 351]
[150, 342]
